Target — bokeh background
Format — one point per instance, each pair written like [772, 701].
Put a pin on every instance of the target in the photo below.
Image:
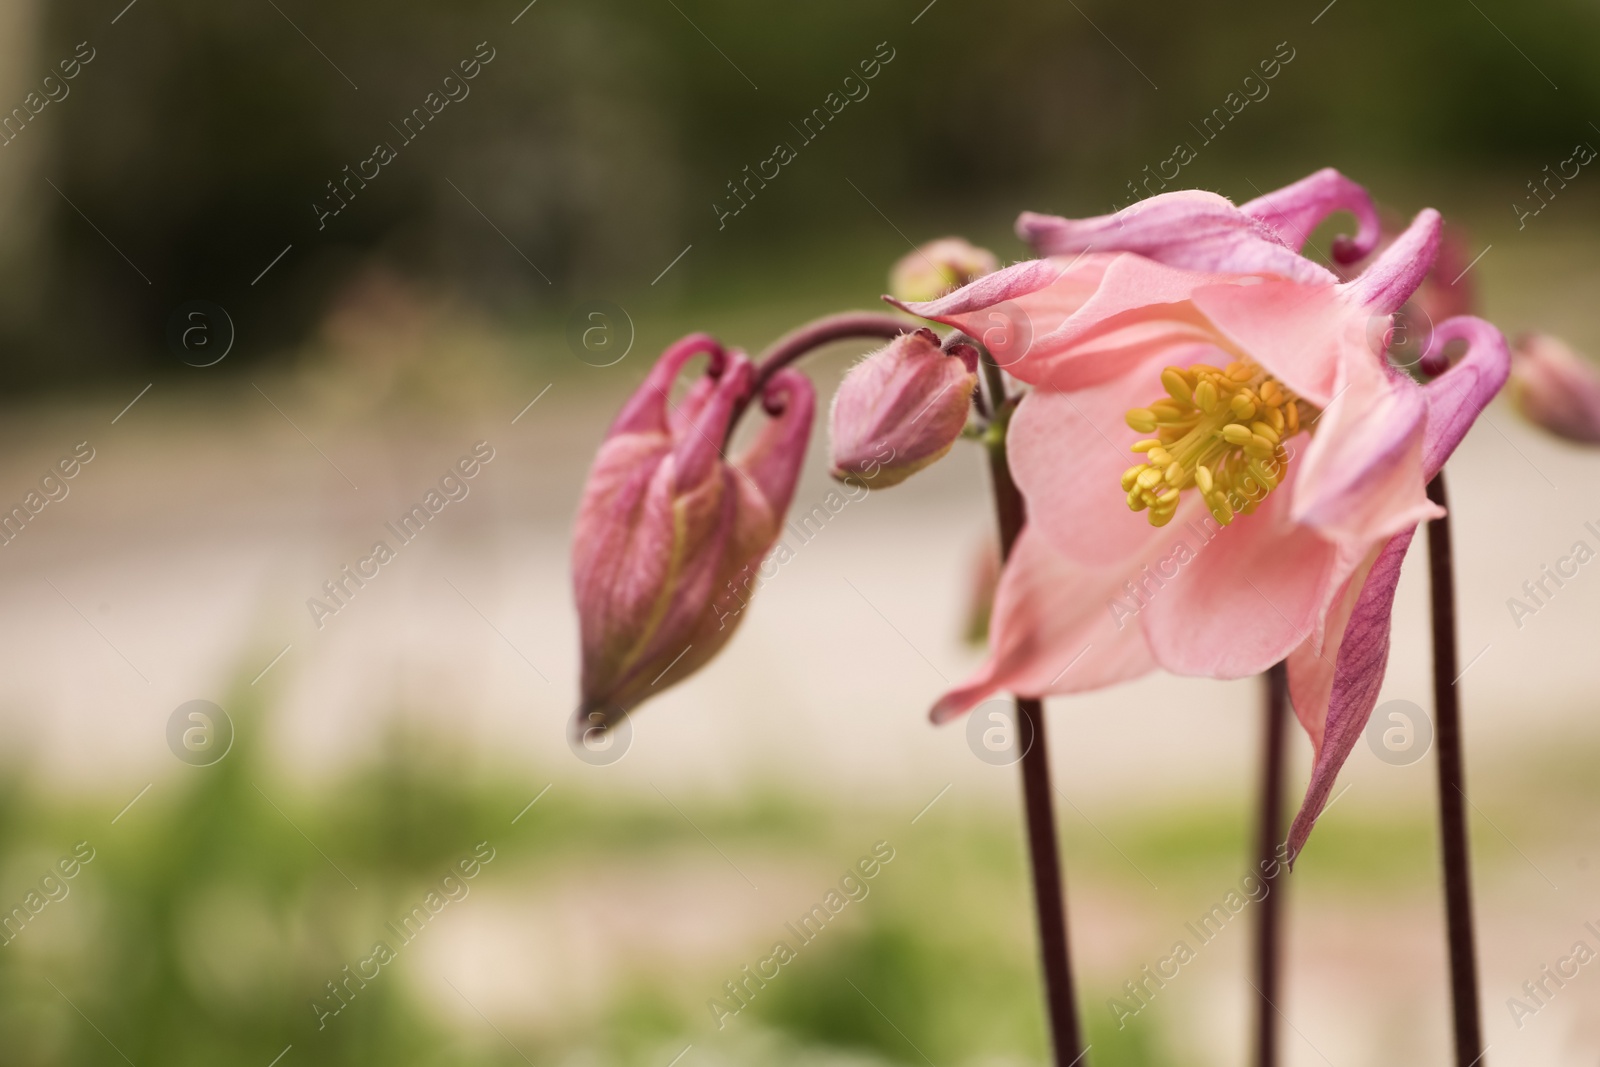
[585, 170]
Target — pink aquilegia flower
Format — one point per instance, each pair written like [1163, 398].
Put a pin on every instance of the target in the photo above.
[668, 531]
[1220, 469]
[900, 409]
[1556, 389]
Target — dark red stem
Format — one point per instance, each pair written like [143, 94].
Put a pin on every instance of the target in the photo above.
[1269, 834]
[1049, 893]
[849, 325]
[1452, 791]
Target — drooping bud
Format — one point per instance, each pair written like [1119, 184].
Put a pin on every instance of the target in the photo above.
[938, 267]
[1555, 388]
[668, 530]
[900, 409]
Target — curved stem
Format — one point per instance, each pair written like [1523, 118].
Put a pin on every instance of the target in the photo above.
[1049, 894]
[1269, 833]
[1452, 790]
[813, 335]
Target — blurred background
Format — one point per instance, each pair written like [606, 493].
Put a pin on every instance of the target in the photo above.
[276, 266]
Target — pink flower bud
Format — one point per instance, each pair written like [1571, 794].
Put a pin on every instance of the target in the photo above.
[900, 409]
[1556, 389]
[938, 267]
[669, 532]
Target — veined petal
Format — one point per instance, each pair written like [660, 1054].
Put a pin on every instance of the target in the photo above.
[1388, 283]
[1361, 478]
[1053, 631]
[1363, 656]
[1189, 228]
[772, 462]
[1457, 396]
[1295, 210]
[1312, 664]
[698, 448]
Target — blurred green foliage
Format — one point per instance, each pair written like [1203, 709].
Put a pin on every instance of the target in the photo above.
[218, 906]
[602, 133]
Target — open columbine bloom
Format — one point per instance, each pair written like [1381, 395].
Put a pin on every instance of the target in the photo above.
[668, 530]
[1220, 469]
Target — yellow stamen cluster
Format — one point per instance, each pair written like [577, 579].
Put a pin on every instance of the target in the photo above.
[1221, 431]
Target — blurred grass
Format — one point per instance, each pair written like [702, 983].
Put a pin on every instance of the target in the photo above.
[208, 919]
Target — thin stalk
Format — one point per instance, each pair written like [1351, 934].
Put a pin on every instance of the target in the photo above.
[1269, 833]
[849, 325]
[1452, 791]
[1049, 893]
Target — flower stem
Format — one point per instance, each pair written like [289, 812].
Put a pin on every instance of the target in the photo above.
[815, 334]
[1452, 791]
[1269, 833]
[1049, 894]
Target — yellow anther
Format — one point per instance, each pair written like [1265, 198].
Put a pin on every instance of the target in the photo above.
[1141, 419]
[1236, 434]
[1222, 431]
[1166, 411]
[1177, 386]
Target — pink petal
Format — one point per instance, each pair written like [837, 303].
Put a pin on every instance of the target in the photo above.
[698, 449]
[1302, 334]
[772, 462]
[1457, 397]
[1361, 478]
[1052, 632]
[1388, 283]
[1068, 452]
[646, 410]
[1311, 665]
[1295, 210]
[1251, 593]
[1362, 658]
[1190, 228]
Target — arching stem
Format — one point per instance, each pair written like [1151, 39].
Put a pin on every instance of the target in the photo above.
[1049, 893]
[849, 325]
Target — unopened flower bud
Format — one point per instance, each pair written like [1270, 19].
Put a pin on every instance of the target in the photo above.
[938, 267]
[1556, 389]
[668, 530]
[900, 409]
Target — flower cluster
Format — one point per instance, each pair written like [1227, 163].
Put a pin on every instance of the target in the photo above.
[1281, 451]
